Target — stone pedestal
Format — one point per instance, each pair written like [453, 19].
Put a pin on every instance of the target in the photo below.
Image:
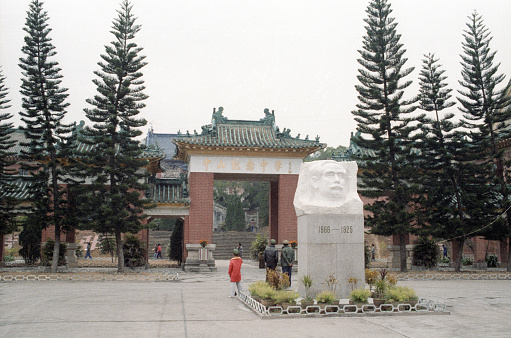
[331, 244]
[71, 259]
[200, 259]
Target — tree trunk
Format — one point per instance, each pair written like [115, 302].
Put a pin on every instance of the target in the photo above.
[402, 252]
[120, 253]
[56, 250]
[459, 254]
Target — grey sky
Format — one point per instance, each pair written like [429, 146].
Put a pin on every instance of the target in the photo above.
[295, 57]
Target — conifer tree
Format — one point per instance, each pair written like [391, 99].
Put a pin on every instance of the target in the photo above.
[454, 200]
[384, 127]
[487, 109]
[7, 187]
[114, 200]
[44, 108]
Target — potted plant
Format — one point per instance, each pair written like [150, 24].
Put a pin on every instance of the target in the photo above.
[286, 298]
[307, 283]
[360, 296]
[380, 286]
[371, 276]
[257, 249]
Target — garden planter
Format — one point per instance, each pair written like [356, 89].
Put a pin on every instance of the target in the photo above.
[305, 303]
[377, 302]
[268, 302]
[328, 307]
[286, 305]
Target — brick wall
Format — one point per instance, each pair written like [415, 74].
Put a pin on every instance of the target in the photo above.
[199, 224]
[286, 210]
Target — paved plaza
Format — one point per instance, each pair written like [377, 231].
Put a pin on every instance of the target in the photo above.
[198, 306]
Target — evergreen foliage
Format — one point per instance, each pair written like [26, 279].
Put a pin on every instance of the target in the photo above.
[7, 186]
[176, 242]
[234, 215]
[237, 196]
[134, 252]
[382, 121]
[425, 253]
[47, 253]
[487, 108]
[30, 239]
[107, 245]
[114, 203]
[454, 200]
[48, 139]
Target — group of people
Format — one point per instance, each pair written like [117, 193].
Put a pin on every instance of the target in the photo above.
[157, 252]
[271, 259]
[287, 257]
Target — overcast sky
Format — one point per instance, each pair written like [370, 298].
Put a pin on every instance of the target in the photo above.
[298, 58]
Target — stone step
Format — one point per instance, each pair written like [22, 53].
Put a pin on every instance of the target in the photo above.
[227, 241]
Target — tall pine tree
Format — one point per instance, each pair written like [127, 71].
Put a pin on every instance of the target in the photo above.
[487, 109]
[44, 108]
[115, 203]
[383, 126]
[454, 200]
[7, 187]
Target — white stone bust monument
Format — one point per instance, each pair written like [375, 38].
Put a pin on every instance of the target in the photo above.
[327, 187]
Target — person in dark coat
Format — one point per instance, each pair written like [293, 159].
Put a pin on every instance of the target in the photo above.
[287, 257]
[271, 257]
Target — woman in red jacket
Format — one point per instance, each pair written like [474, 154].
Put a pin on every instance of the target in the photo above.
[235, 273]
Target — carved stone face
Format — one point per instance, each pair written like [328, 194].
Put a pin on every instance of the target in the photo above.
[329, 182]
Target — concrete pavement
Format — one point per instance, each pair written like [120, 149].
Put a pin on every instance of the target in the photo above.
[198, 306]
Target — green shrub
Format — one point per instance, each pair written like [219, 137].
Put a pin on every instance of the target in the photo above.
[8, 258]
[134, 252]
[467, 261]
[326, 297]
[267, 292]
[360, 295]
[282, 296]
[256, 286]
[492, 261]
[47, 254]
[400, 294]
[425, 253]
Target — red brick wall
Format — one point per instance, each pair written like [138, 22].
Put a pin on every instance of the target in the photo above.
[286, 210]
[274, 208]
[199, 224]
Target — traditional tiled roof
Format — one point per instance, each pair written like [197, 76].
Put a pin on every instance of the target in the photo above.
[19, 191]
[151, 153]
[353, 151]
[262, 134]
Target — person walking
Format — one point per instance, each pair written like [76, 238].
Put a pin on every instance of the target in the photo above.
[444, 250]
[271, 257]
[235, 273]
[155, 256]
[287, 257]
[240, 249]
[159, 252]
[87, 252]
